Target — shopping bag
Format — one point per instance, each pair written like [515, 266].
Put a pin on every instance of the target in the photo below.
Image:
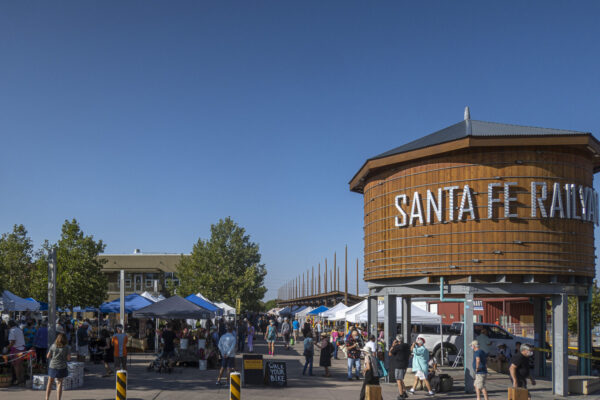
[292, 342]
[382, 371]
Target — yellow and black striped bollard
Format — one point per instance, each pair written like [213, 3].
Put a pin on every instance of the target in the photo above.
[121, 384]
[235, 388]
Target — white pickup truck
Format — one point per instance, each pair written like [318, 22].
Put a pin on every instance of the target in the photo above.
[454, 340]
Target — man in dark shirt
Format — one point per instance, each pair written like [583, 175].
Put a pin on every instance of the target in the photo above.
[168, 337]
[399, 355]
[519, 367]
[480, 368]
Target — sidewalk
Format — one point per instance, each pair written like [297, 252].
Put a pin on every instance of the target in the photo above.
[190, 383]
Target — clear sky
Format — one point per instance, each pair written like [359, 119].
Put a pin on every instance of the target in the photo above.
[148, 121]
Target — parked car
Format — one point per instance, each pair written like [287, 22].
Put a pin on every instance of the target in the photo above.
[453, 339]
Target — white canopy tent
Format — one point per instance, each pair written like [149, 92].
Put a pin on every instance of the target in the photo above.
[11, 302]
[417, 315]
[352, 314]
[152, 297]
[341, 314]
[227, 309]
[333, 310]
[302, 314]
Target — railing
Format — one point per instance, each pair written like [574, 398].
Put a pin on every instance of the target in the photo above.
[113, 287]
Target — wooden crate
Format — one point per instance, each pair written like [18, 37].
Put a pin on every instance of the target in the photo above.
[518, 394]
[373, 392]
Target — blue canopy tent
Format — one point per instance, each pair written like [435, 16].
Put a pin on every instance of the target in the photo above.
[43, 306]
[318, 310]
[133, 302]
[84, 309]
[199, 301]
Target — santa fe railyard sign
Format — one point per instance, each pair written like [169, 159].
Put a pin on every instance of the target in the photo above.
[568, 201]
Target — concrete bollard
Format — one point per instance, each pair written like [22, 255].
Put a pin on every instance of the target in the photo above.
[235, 387]
[121, 385]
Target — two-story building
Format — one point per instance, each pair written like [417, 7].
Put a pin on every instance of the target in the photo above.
[141, 272]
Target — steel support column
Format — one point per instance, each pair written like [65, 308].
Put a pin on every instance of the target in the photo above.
[584, 365]
[539, 323]
[372, 315]
[389, 322]
[406, 319]
[468, 351]
[560, 343]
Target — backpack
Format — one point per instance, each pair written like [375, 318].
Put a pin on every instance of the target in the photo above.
[436, 383]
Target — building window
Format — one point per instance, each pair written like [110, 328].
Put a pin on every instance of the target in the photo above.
[150, 278]
[171, 279]
[451, 316]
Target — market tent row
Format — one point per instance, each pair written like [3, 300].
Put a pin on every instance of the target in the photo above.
[203, 302]
[11, 302]
[133, 302]
[304, 312]
[43, 306]
[298, 309]
[174, 307]
[418, 315]
[274, 310]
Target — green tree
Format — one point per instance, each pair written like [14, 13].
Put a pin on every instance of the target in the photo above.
[79, 279]
[224, 268]
[269, 305]
[595, 308]
[16, 261]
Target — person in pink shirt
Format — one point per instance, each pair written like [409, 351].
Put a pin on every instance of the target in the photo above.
[334, 337]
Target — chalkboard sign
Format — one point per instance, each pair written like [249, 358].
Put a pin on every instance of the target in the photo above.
[275, 374]
[252, 365]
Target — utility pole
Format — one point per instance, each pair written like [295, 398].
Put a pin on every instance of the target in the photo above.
[319, 278]
[325, 275]
[51, 296]
[122, 301]
[346, 276]
[357, 276]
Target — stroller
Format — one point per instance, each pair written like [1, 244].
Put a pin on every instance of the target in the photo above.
[161, 363]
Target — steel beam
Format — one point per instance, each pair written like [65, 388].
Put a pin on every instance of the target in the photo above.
[406, 319]
[560, 343]
[389, 324]
[584, 365]
[372, 315]
[539, 324]
[482, 289]
[468, 351]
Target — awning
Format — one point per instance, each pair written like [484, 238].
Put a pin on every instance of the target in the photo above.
[227, 309]
[174, 307]
[318, 310]
[333, 310]
[133, 302]
[152, 297]
[43, 306]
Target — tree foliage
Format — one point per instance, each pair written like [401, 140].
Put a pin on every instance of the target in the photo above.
[268, 305]
[595, 308]
[224, 268]
[16, 261]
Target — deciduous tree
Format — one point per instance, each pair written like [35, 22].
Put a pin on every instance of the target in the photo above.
[16, 261]
[224, 268]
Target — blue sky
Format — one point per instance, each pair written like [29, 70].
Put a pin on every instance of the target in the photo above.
[148, 121]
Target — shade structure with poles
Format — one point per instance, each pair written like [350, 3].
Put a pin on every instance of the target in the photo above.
[174, 307]
[203, 302]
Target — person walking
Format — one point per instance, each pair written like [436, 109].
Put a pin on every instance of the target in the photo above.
[296, 327]
[309, 352]
[227, 349]
[371, 371]
[420, 365]
[286, 331]
[519, 367]
[119, 342]
[59, 353]
[41, 342]
[334, 339]
[29, 332]
[480, 368]
[399, 355]
[16, 345]
[326, 353]
[241, 335]
[353, 349]
[270, 337]
[108, 356]
[251, 333]
[82, 341]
